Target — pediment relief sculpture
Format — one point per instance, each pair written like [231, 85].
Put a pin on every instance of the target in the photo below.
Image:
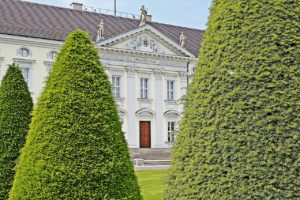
[144, 43]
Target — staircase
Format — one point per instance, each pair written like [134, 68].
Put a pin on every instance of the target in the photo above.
[150, 157]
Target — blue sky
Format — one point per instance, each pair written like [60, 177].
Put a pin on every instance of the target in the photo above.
[189, 13]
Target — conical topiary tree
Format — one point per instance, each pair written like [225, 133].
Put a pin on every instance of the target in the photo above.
[15, 115]
[239, 136]
[75, 148]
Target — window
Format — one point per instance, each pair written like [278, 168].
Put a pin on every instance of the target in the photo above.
[52, 55]
[25, 73]
[24, 52]
[144, 88]
[171, 132]
[116, 86]
[170, 90]
[25, 68]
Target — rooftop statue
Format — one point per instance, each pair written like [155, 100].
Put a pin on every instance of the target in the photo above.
[100, 31]
[143, 16]
[182, 39]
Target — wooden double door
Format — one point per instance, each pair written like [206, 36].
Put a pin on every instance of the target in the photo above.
[145, 134]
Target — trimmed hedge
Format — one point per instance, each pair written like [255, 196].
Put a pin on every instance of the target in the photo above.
[15, 115]
[75, 148]
[239, 136]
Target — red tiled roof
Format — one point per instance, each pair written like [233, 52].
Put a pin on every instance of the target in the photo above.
[55, 23]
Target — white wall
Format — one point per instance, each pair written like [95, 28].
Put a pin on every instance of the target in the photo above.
[116, 63]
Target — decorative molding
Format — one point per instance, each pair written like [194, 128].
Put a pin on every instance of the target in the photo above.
[132, 71]
[145, 60]
[144, 43]
[120, 99]
[122, 112]
[48, 63]
[145, 113]
[36, 42]
[145, 101]
[183, 75]
[172, 114]
[145, 73]
[158, 73]
[171, 102]
[17, 60]
[106, 67]
[116, 71]
[106, 54]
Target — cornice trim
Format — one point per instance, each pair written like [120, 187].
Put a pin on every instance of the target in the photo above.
[117, 50]
[12, 39]
[23, 60]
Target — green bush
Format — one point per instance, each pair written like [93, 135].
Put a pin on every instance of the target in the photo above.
[239, 136]
[15, 115]
[75, 148]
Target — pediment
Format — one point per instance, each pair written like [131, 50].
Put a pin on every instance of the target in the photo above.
[145, 39]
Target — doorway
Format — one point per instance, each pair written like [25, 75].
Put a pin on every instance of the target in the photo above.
[145, 134]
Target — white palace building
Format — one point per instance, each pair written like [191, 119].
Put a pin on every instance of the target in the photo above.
[149, 64]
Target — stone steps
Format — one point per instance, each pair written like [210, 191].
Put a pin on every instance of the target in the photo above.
[150, 157]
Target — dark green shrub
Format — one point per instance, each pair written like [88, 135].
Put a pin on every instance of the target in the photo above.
[239, 137]
[15, 114]
[75, 148]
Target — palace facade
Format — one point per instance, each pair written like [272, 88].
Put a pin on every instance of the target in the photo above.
[149, 64]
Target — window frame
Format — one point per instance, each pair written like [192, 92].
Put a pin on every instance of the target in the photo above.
[144, 88]
[52, 55]
[26, 64]
[170, 90]
[116, 85]
[20, 52]
[171, 131]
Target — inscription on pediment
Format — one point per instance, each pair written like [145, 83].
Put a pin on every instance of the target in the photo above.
[144, 43]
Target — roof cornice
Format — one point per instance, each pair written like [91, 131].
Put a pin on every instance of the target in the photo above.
[13, 39]
[169, 56]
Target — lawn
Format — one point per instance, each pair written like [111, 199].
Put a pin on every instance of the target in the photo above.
[151, 183]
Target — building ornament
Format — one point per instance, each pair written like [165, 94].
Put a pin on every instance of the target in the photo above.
[145, 102]
[143, 43]
[145, 61]
[182, 75]
[172, 114]
[158, 73]
[145, 113]
[21, 60]
[132, 71]
[143, 16]
[100, 31]
[182, 39]
[122, 113]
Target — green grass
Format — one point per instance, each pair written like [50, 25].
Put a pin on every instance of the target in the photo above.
[151, 183]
